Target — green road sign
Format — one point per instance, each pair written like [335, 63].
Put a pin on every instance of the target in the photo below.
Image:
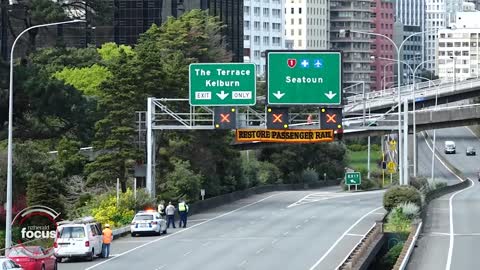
[353, 178]
[223, 84]
[304, 78]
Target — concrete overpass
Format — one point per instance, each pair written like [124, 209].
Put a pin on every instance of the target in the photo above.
[381, 101]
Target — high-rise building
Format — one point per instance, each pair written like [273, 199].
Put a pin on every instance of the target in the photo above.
[438, 15]
[263, 30]
[133, 17]
[356, 47]
[382, 47]
[410, 19]
[130, 18]
[307, 24]
[458, 54]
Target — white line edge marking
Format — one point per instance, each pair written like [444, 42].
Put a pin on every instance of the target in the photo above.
[359, 241]
[340, 196]
[342, 236]
[441, 161]
[450, 247]
[186, 229]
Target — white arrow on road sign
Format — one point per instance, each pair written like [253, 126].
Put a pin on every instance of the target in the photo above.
[278, 95]
[222, 95]
[330, 94]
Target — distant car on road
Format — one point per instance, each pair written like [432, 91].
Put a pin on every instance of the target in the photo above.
[450, 147]
[471, 151]
[8, 264]
[146, 222]
[20, 255]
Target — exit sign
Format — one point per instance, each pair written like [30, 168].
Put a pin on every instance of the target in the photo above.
[222, 84]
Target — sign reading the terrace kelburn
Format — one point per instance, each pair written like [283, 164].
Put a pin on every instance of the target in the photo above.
[285, 136]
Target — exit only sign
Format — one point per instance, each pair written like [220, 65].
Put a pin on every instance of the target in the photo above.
[222, 84]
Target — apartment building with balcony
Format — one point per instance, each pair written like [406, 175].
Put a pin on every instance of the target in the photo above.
[263, 30]
[307, 24]
[357, 48]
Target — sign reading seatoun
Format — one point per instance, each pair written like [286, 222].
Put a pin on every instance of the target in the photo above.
[285, 136]
[304, 77]
[222, 84]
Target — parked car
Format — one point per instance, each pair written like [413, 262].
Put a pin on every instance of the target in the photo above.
[81, 239]
[8, 264]
[471, 151]
[23, 257]
[148, 222]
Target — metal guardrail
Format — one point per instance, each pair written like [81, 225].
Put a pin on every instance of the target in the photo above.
[120, 232]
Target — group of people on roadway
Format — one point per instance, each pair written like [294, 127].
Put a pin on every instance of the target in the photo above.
[169, 212]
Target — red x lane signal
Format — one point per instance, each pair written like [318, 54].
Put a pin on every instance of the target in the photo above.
[277, 118]
[225, 118]
[331, 118]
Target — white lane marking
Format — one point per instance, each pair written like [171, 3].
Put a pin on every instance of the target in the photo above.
[322, 196]
[441, 161]
[450, 247]
[341, 237]
[242, 263]
[205, 244]
[472, 132]
[298, 226]
[189, 228]
[274, 241]
[354, 234]
[260, 251]
[161, 267]
[351, 251]
[285, 233]
[187, 253]
[305, 221]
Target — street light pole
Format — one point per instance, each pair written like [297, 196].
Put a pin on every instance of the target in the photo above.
[414, 119]
[8, 218]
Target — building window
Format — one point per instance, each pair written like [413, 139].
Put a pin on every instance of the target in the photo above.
[299, 43]
[256, 11]
[299, 21]
[256, 40]
[292, 10]
[276, 13]
[266, 12]
[246, 10]
[276, 40]
[266, 41]
[247, 25]
[246, 37]
[276, 27]
[299, 10]
[256, 26]
[266, 26]
[256, 54]
[299, 32]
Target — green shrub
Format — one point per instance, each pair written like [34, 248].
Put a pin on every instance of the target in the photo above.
[375, 147]
[400, 194]
[389, 259]
[309, 175]
[268, 173]
[356, 147]
[410, 210]
[420, 183]
[397, 221]
[183, 180]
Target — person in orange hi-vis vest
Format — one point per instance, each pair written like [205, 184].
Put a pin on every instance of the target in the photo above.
[107, 240]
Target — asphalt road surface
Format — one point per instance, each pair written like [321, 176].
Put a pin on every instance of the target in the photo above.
[424, 159]
[313, 229]
[452, 231]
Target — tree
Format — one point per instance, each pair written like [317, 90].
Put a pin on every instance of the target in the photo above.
[183, 181]
[34, 12]
[46, 191]
[87, 80]
[115, 132]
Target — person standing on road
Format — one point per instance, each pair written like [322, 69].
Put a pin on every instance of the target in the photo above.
[107, 240]
[183, 211]
[170, 211]
[161, 208]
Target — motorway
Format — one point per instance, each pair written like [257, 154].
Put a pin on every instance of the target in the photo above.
[451, 230]
[308, 229]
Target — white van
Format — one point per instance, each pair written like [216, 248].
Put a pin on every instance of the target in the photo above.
[450, 147]
[81, 239]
